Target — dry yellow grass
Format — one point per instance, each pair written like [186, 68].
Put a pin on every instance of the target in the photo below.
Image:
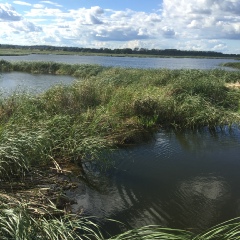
[233, 85]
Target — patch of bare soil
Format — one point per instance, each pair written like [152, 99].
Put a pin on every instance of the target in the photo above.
[233, 85]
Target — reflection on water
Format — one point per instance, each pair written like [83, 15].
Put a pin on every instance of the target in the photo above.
[184, 180]
[205, 196]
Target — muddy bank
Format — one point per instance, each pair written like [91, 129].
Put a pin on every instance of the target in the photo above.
[44, 190]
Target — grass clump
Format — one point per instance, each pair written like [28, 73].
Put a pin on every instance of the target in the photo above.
[76, 70]
[5, 66]
[232, 65]
[19, 223]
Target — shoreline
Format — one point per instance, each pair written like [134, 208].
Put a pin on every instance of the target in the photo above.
[6, 53]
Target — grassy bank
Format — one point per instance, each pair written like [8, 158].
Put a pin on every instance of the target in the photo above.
[104, 108]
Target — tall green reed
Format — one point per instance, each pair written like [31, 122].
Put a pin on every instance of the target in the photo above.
[111, 106]
[19, 223]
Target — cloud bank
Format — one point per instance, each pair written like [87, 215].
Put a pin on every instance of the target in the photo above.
[8, 13]
[200, 25]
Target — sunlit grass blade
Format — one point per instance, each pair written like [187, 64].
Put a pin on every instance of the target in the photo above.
[154, 232]
[229, 230]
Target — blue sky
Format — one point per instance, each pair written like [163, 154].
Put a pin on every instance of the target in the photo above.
[208, 25]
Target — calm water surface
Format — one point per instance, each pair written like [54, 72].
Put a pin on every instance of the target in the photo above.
[188, 180]
[32, 83]
[133, 62]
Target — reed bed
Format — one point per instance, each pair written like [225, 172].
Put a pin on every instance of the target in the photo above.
[232, 65]
[106, 107]
[103, 108]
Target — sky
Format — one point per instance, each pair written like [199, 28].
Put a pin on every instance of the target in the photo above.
[201, 25]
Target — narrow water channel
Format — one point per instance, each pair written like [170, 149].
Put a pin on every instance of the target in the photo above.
[188, 180]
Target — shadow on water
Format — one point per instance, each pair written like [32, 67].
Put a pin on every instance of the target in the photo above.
[181, 179]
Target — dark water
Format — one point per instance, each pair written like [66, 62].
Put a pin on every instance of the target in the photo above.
[32, 83]
[188, 180]
[133, 62]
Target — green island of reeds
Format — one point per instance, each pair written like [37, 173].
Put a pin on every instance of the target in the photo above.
[232, 64]
[104, 108]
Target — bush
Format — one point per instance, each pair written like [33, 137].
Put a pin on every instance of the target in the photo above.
[5, 66]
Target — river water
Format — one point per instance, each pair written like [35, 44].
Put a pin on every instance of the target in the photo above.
[187, 180]
[133, 62]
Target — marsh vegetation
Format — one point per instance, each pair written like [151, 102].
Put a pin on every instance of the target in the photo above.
[232, 64]
[104, 108]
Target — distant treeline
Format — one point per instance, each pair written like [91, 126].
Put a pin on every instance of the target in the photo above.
[143, 51]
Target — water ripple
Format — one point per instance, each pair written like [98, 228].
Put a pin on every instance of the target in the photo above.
[184, 180]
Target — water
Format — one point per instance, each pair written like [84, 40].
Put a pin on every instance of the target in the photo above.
[188, 180]
[32, 83]
[133, 62]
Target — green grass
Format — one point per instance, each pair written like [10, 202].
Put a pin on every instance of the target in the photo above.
[19, 223]
[229, 230]
[79, 71]
[232, 64]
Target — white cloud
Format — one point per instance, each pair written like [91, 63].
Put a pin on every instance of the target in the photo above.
[22, 3]
[194, 24]
[8, 13]
[52, 3]
[180, 24]
[118, 34]
[153, 17]
[42, 12]
[15, 29]
[219, 47]
[212, 18]
[91, 19]
[38, 6]
[168, 32]
[96, 10]
[202, 45]
[24, 26]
